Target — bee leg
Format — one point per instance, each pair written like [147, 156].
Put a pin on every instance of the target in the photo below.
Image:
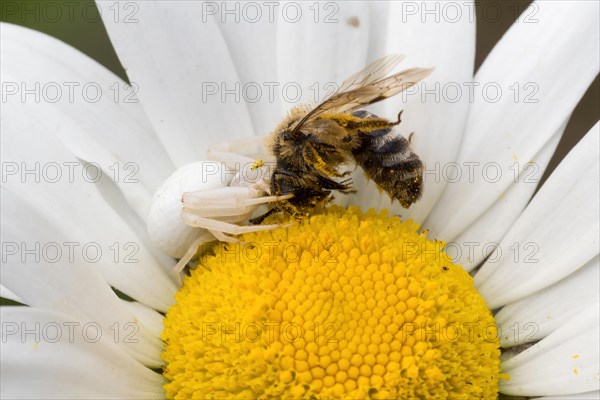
[399, 119]
[410, 136]
[291, 210]
[190, 253]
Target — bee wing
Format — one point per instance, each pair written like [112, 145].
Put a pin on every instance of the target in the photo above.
[371, 73]
[375, 92]
[343, 102]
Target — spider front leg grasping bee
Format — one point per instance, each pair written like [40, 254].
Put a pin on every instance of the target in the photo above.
[309, 148]
[218, 210]
[211, 198]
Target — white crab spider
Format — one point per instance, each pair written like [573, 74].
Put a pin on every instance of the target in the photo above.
[206, 200]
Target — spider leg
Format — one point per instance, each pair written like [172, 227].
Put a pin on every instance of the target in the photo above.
[239, 146]
[236, 153]
[224, 238]
[232, 161]
[225, 227]
[228, 197]
[190, 253]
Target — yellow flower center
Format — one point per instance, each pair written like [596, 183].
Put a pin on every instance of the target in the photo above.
[343, 305]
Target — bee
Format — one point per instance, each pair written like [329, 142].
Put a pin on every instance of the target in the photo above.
[312, 144]
[310, 147]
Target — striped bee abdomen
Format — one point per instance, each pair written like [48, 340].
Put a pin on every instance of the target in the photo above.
[387, 158]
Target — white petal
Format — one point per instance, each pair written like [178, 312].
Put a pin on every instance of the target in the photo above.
[113, 196]
[29, 116]
[538, 315]
[40, 268]
[380, 18]
[253, 49]
[565, 362]
[47, 355]
[73, 204]
[8, 294]
[585, 320]
[556, 234]
[86, 106]
[582, 396]
[318, 47]
[151, 319]
[177, 56]
[438, 118]
[482, 237]
[551, 61]
[111, 132]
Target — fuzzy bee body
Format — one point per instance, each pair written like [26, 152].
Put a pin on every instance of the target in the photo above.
[386, 157]
[312, 145]
[306, 166]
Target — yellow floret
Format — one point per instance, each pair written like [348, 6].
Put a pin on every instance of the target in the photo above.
[343, 305]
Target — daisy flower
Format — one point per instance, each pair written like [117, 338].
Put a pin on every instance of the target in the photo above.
[83, 152]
